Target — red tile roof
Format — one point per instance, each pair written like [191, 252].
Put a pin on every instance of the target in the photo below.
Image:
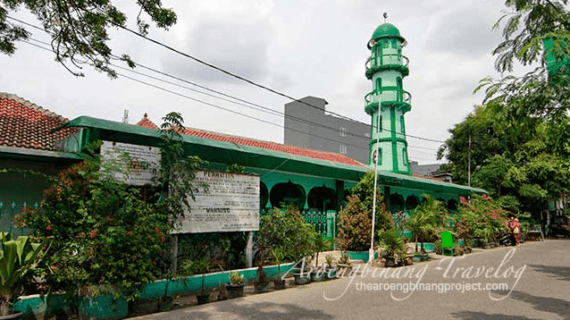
[146, 123]
[316, 154]
[26, 125]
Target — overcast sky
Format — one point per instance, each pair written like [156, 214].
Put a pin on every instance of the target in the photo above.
[300, 48]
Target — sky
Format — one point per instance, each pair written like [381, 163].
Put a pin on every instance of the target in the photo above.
[300, 48]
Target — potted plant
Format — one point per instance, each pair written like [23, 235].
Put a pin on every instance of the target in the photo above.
[17, 258]
[279, 255]
[262, 283]
[201, 267]
[235, 287]
[344, 265]
[303, 275]
[330, 270]
[391, 243]
[437, 246]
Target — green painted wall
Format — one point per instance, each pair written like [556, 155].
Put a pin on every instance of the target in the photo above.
[388, 101]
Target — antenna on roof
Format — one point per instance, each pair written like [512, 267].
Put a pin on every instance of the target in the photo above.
[126, 116]
[385, 15]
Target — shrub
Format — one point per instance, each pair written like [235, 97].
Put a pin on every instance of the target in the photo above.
[354, 227]
[288, 230]
[103, 234]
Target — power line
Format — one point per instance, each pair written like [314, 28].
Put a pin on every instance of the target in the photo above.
[222, 108]
[238, 77]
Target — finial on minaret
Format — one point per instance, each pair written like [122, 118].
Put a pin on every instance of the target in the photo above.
[385, 15]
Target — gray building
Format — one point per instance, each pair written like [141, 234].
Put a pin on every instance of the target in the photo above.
[430, 170]
[307, 124]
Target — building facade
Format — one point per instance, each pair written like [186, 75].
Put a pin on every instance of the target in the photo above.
[308, 125]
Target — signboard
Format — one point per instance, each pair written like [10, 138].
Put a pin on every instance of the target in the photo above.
[229, 202]
[136, 165]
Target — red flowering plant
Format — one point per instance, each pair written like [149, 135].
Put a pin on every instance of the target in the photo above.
[103, 233]
[480, 216]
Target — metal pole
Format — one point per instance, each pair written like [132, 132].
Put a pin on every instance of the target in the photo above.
[371, 251]
[469, 164]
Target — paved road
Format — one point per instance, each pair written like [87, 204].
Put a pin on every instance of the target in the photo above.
[541, 292]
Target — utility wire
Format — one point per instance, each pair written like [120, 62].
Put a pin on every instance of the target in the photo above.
[238, 77]
[222, 108]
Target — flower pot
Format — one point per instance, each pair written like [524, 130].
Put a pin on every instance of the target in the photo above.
[416, 258]
[102, 307]
[165, 303]
[279, 284]
[330, 273]
[262, 287]
[390, 262]
[14, 316]
[408, 261]
[317, 275]
[203, 298]
[487, 246]
[301, 279]
[234, 290]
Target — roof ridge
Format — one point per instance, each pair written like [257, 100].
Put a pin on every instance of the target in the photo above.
[29, 104]
[271, 142]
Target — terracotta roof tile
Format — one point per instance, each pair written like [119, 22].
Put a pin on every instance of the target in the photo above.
[300, 151]
[146, 123]
[26, 125]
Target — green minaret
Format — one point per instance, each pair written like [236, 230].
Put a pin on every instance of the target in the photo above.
[388, 102]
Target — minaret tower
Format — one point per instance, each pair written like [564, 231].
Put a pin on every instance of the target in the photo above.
[388, 102]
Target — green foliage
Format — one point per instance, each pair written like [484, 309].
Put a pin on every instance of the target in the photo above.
[17, 258]
[330, 260]
[481, 217]
[236, 278]
[391, 242]
[103, 233]
[177, 171]
[355, 220]
[236, 168]
[429, 219]
[106, 235]
[515, 156]
[528, 25]
[287, 230]
[364, 190]
[79, 29]
[354, 226]
[344, 258]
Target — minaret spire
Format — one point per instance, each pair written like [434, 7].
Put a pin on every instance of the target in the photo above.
[388, 102]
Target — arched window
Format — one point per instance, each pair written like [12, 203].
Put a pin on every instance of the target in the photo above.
[400, 89]
[263, 195]
[411, 202]
[396, 203]
[394, 43]
[379, 85]
[402, 126]
[287, 194]
[322, 198]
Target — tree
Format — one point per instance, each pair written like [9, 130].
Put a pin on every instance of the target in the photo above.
[519, 159]
[536, 31]
[79, 28]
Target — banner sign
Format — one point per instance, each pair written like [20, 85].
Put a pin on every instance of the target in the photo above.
[136, 165]
[225, 202]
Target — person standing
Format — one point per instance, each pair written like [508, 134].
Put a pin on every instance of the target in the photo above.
[511, 225]
[517, 231]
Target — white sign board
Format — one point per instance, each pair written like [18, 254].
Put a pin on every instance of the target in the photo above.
[137, 165]
[229, 203]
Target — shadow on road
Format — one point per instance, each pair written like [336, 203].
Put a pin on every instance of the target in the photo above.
[559, 273]
[544, 304]
[243, 309]
[472, 315]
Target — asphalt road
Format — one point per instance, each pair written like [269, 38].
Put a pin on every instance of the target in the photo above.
[537, 275]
